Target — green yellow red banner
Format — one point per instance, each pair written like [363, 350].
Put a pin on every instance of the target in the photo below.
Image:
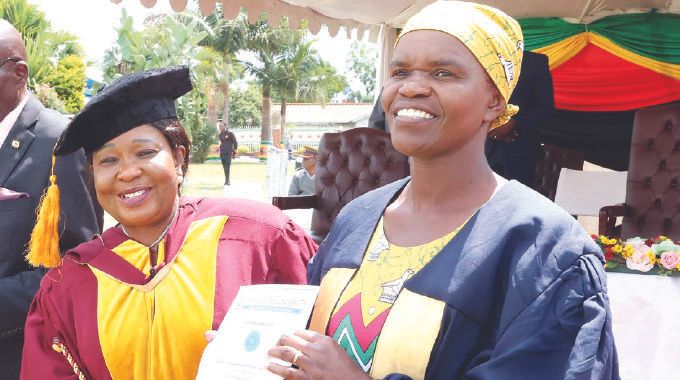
[638, 54]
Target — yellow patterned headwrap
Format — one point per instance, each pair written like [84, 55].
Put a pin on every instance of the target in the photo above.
[492, 36]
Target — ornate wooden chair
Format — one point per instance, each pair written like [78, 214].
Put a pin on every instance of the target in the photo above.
[349, 164]
[652, 205]
[548, 166]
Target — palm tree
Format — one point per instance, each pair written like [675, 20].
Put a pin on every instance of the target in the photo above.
[321, 83]
[209, 78]
[303, 75]
[226, 38]
[292, 72]
[266, 43]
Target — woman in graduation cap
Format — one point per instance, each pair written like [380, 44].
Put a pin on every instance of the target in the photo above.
[135, 302]
[454, 273]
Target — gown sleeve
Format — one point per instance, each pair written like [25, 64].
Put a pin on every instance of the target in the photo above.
[315, 265]
[565, 333]
[292, 251]
[40, 361]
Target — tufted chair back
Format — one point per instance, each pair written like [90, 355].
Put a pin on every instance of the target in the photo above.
[549, 164]
[653, 185]
[349, 164]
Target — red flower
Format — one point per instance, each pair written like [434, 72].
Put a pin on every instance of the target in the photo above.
[608, 253]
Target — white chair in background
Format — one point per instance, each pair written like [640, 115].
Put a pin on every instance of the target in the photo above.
[583, 193]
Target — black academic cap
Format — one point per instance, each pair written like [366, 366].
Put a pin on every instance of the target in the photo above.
[126, 103]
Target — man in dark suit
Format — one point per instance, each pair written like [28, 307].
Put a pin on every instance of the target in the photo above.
[512, 149]
[228, 148]
[28, 133]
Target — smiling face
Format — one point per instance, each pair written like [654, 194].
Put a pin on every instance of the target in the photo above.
[135, 176]
[438, 98]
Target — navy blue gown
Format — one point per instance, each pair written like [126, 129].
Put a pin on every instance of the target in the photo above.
[518, 293]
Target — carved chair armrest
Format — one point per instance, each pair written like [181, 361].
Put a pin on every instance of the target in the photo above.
[291, 202]
[608, 215]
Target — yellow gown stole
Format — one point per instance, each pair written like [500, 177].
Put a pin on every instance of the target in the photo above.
[367, 311]
[156, 330]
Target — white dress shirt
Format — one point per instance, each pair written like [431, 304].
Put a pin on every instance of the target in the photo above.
[8, 122]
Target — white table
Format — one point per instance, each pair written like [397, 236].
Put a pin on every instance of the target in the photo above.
[646, 323]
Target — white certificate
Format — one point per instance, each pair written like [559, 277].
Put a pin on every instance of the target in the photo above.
[257, 318]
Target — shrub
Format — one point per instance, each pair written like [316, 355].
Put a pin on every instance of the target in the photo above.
[48, 97]
[68, 80]
[202, 136]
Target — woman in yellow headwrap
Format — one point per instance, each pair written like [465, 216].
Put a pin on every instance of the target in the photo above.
[454, 272]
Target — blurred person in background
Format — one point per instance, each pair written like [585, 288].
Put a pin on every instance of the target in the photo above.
[303, 179]
[228, 148]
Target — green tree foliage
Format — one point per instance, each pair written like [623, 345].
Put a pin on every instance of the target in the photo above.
[64, 44]
[361, 63]
[246, 107]
[68, 80]
[43, 44]
[165, 41]
[28, 19]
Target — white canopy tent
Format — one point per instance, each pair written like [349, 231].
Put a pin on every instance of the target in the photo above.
[364, 14]
[381, 18]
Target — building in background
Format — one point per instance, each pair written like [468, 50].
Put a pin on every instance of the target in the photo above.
[305, 124]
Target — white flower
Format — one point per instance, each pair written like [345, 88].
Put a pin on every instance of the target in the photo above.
[636, 243]
[641, 259]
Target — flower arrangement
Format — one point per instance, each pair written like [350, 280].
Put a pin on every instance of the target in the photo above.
[661, 254]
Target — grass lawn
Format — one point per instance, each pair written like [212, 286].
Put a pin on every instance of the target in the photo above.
[208, 179]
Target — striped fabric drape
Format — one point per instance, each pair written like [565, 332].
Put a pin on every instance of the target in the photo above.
[620, 62]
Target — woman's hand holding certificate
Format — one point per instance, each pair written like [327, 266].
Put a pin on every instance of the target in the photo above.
[316, 356]
[256, 320]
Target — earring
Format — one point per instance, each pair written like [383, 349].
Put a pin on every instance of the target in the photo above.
[180, 176]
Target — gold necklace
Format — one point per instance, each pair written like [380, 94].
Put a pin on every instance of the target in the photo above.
[154, 246]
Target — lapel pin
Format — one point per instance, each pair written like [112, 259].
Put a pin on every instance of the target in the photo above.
[16, 144]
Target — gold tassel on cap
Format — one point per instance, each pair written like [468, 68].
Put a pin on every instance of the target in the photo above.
[43, 249]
